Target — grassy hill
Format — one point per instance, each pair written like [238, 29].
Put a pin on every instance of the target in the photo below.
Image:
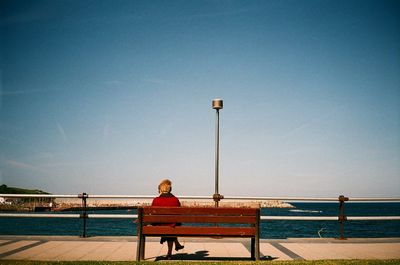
[12, 190]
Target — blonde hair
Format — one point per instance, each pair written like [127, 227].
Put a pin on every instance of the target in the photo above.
[165, 186]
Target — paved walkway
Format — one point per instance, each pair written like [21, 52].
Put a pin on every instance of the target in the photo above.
[59, 248]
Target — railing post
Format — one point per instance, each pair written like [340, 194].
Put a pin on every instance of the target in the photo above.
[342, 216]
[84, 214]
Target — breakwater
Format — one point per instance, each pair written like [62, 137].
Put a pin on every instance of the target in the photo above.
[65, 204]
[74, 204]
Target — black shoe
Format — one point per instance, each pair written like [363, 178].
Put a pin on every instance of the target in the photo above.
[162, 240]
[177, 248]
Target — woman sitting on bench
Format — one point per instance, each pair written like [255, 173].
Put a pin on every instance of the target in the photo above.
[167, 199]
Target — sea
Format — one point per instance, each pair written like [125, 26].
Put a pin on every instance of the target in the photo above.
[278, 229]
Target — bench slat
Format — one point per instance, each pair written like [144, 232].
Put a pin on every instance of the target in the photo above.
[149, 219]
[199, 231]
[199, 211]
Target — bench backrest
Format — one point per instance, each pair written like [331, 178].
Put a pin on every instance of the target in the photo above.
[166, 215]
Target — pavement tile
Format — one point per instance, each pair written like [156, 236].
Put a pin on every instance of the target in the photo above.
[12, 246]
[56, 250]
[77, 250]
[236, 250]
[391, 250]
[271, 252]
[126, 251]
[192, 250]
[376, 251]
[216, 249]
[223, 250]
[318, 251]
[153, 250]
[315, 251]
[101, 251]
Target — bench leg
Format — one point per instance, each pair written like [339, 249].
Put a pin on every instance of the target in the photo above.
[139, 247]
[253, 247]
[257, 237]
[142, 248]
[257, 248]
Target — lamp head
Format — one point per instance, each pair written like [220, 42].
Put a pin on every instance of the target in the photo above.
[217, 104]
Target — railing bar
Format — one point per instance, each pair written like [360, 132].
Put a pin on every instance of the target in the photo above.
[328, 218]
[286, 199]
[299, 218]
[37, 196]
[372, 218]
[28, 215]
[77, 196]
[117, 216]
[263, 218]
[122, 196]
[373, 199]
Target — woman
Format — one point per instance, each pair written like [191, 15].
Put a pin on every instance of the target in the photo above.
[167, 199]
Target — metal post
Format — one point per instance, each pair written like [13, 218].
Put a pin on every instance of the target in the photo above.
[342, 216]
[217, 104]
[84, 214]
[216, 157]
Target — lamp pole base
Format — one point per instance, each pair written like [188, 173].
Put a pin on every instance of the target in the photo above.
[217, 197]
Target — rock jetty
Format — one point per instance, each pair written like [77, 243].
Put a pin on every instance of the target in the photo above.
[67, 204]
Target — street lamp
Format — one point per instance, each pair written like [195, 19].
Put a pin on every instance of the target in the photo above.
[217, 104]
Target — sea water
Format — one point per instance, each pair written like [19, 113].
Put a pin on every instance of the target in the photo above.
[268, 229]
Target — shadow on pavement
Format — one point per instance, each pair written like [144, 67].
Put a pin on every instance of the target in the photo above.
[204, 255]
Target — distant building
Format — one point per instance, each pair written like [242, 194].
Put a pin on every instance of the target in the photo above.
[5, 201]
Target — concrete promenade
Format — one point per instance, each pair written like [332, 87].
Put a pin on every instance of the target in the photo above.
[71, 248]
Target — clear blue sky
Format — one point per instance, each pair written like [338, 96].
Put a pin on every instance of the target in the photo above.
[109, 97]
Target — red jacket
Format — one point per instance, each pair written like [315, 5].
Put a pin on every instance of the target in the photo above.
[167, 200]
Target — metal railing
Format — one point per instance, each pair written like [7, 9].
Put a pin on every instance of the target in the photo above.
[84, 215]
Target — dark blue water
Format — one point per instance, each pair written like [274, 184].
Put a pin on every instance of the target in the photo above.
[269, 229]
[369, 229]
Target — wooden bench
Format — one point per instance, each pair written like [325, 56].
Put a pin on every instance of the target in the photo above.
[215, 222]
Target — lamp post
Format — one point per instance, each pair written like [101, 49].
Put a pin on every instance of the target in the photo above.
[217, 104]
